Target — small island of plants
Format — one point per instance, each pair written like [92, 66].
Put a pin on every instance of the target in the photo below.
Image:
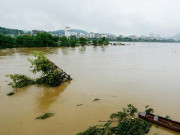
[51, 75]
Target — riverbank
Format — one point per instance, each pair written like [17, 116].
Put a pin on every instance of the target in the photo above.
[47, 40]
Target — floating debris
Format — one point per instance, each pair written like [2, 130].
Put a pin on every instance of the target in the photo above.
[45, 116]
[10, 93]
[96, 99]
[79, 105]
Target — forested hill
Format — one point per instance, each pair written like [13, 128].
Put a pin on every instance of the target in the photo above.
[10, 31]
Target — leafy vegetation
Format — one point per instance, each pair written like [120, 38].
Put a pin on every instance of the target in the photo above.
[82, 41]
[10, 93]
[103, 41]
[129, 111]
[128, 124]
[96, 99]
[45, 116]
[6, 41]
[20, 81]
[149, 110]
[51, 75]
[95, 130]
[79, 105]
[133, 126]
[44, 39]
[168, 117]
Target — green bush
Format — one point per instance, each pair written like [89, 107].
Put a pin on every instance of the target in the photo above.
[20, 81]
[132, 126]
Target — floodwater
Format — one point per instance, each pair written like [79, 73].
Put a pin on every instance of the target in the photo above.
[140, 74]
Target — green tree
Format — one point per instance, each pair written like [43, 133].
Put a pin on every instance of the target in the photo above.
[82, 41]
[73, 42]
[64, 41]
[6, 41]
[95, 42]
[25, 41]
[45, 40]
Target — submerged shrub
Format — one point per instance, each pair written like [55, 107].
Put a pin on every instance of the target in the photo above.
[51, 75]
[148, 109]
[41, 64]
[10, 93]
[120, 115]
[130, 110]
[132, 126]
[45, 116]
[128, 124]
[168, 117]
[20, 81]
[52, 79]
[95, 130]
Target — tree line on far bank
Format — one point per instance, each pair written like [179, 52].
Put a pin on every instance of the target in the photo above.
[128, 39]
[47, 40]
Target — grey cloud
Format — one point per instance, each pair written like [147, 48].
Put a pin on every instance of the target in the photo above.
[114, 16]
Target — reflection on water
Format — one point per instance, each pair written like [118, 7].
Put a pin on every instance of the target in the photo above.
[64, 51]
[103, 48]
[50, 95]
[82, 49]
[95, 48]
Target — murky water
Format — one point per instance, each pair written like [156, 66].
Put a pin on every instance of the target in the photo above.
[141, 74]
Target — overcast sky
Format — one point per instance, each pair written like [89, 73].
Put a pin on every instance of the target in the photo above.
[126, 17]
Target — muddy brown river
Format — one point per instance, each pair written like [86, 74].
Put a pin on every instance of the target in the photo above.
[140, 74]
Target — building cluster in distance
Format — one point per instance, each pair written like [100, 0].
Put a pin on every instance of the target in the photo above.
[151, 36]
[68, 32]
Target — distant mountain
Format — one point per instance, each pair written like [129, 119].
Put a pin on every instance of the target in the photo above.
[10, 31]
[79, 31]
[27, 32]
[59, 32]
[72, 30]
[176, 37]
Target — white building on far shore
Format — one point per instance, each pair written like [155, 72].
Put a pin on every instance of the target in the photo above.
[67, 32]
[91, 35]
